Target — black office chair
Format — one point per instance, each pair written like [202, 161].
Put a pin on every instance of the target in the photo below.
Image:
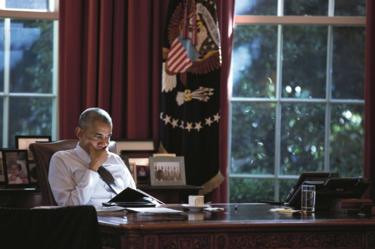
[58, 228]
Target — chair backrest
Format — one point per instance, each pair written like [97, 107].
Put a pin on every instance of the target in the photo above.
[42, 154]
[59, 228]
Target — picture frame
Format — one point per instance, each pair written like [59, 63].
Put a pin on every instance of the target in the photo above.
[23, 142]
[135, 146]
[2, 170]
[16, 167]
[135, 154]
[167, 171]
[140, 170]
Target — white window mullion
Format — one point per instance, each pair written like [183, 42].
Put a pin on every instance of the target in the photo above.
[55, 73]
[331, 7]
[6, 81]
[6, 90]
[280, 7]
[301, 20]
[53, 5]
[277, 162]
[229, 125]
[328, 106]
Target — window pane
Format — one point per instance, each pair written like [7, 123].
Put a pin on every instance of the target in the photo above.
[251, 190]
[306, 7]
[253, 129]
[304, 61]
[256, 7]
[313, 59]
[1, 119]
[27, 4]
[348, 62]
[254, 61]
[31, 56]
[347, 139]
[302, 138]
[29, 116]
[350, 8]
[1, 55]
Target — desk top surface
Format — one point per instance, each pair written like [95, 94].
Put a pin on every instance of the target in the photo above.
[250, 215]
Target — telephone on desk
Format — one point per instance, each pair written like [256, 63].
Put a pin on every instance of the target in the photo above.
[330, 189]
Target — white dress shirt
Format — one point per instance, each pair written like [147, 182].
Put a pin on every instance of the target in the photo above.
[73, 183]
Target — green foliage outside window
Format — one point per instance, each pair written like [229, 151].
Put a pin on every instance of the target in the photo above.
[317, 116]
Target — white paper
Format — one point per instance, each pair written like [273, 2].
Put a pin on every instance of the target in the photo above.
[103, 209]
[154, 210]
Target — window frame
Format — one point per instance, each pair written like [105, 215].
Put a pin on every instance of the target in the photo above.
[51, 14]
[279, 20]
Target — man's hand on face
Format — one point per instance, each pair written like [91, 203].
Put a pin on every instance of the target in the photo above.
[98, 157]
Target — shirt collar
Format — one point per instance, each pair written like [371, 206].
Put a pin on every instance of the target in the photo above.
[82, 153]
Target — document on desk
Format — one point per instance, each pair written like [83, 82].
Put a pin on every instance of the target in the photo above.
[103, 210]
[154, 210]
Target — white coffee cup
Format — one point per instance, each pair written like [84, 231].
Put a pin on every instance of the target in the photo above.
[196, 200]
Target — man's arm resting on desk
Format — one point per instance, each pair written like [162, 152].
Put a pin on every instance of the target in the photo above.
[66, 189]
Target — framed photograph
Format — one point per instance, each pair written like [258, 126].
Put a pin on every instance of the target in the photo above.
[166, 171]
[2, 170]
[23, 142]
[135, 148]
[139, 167]
[16, 168]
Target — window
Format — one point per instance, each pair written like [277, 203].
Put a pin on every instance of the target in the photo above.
[28, 68]
[297, 94]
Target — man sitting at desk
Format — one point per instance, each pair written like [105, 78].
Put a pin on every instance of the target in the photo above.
[73, 174]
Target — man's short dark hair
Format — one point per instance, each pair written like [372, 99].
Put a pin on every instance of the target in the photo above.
[90, 115]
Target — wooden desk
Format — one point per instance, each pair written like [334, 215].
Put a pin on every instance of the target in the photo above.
[31, 197]
[239, 226]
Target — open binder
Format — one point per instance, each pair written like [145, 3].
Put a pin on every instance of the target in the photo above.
[131, 197]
